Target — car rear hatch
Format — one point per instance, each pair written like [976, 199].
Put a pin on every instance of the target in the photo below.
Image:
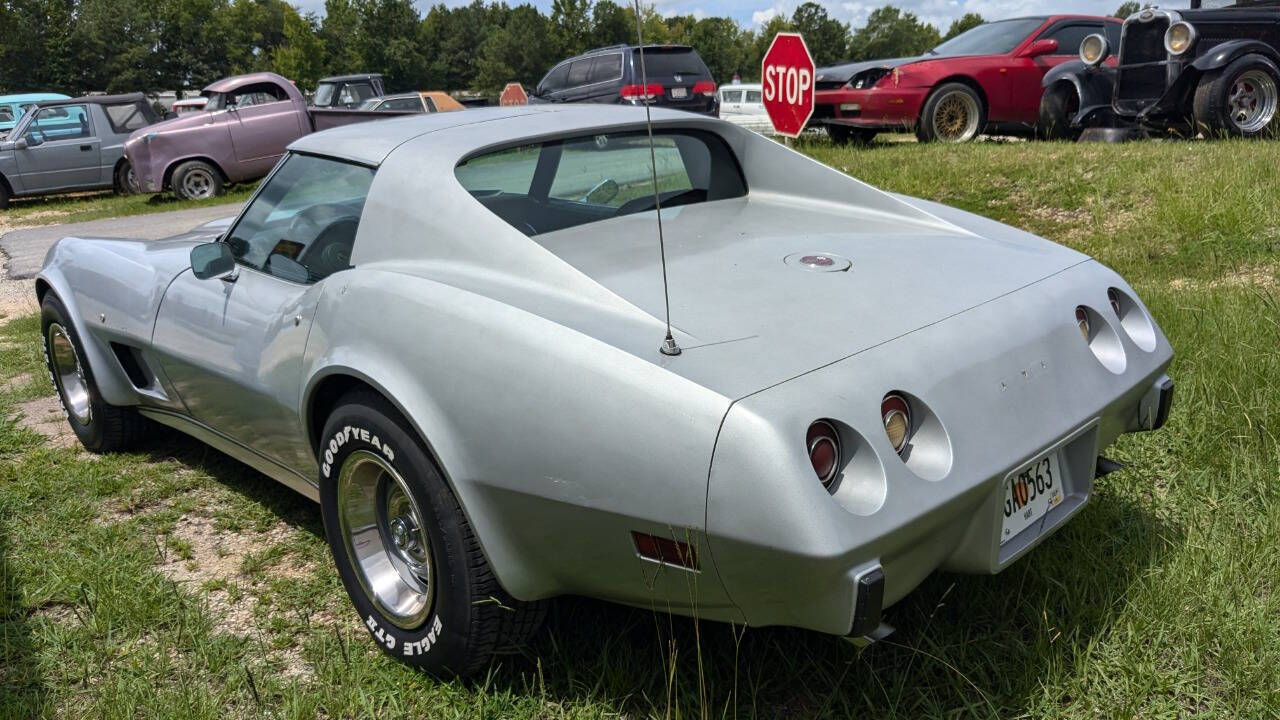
[686, 82]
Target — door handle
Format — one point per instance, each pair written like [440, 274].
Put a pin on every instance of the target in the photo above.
[86, 148]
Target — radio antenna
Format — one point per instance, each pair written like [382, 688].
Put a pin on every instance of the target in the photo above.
[669, 346]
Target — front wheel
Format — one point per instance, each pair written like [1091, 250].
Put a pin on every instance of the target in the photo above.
[1239, 101]
[954, 113]
[125, 183]
[405, 551]
[99, 425]
[196, 180]
[1058, 108]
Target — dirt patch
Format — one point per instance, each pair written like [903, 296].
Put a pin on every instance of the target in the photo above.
[1262, 277]
[45, 416]
[17, 297]
[15, 382]
[8, 222]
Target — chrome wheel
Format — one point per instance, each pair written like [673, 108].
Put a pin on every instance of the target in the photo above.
[68, 373]
[386, 541]
[955, 117]
[197, 184]
[1251, 101]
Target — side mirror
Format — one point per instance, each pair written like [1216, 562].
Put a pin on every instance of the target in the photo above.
[211, 260]
[603, 192]
[1046, 46]
[20, 144]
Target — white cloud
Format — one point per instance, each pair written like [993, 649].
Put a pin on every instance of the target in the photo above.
[760, 17]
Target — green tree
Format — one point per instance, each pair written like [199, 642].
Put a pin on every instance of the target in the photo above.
[721, 43]
[301, 57]
[613, 24]
[522, 50]
[891, 33]
[339, 32]
[388, 43]
[571, 24]
[1126, 9]
[965, 22]
[826, 37]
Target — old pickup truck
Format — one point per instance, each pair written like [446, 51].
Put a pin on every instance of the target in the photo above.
[71, 145]
[243, 130]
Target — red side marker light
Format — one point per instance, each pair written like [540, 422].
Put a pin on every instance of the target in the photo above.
[665, 550]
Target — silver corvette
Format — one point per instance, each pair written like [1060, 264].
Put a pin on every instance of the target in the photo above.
[449, 331]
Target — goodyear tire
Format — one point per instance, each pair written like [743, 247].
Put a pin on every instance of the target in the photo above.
[100, 426]
[954, 113]
[1058, 107]
[1242, 100]
[196, 180]
[403, 547]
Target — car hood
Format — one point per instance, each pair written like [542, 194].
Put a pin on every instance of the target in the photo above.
[182, 122]
[846, 72]
[739, 292]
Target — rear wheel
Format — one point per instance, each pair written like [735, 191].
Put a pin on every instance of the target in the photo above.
[844, 135]
[1241, 100]
[196, 180]
[1058, 108]
[124, 181]
[953, 113]
[405, 551]
[100, 426]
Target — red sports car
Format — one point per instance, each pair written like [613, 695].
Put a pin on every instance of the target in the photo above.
[986, 77]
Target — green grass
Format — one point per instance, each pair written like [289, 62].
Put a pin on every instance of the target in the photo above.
[27, 212]
[1161, 599]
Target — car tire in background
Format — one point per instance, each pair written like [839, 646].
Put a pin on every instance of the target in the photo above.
[1241, 100]
[1058, 107]
[844, 135]
[4, 196]
[123, 183]
[953, 113]
[405, 550]
[196, 180]
[99, 425]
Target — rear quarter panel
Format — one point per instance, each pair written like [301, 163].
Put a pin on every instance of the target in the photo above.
[556, 444]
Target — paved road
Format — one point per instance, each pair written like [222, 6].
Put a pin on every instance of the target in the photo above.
[25, 249]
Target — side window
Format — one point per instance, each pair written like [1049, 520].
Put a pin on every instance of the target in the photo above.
[733, 96]
[605, 68]
[65, 122]
[401, 104]
[578, 71]
[753, 96]
[302, 225]
[1069, 37]
[431, 104]
[6, 113]
[556, 79]
[586, 168]
[258, 94]
[124, 118]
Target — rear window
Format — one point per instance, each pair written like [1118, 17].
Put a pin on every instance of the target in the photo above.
[662, 63]
[124, 118]
[605, 68]
[560, 184]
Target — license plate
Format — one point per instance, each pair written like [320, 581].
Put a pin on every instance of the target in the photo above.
[1030, 494]
[678, 93]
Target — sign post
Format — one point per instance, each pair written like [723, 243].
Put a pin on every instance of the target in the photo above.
[513, 94]
[786, 72]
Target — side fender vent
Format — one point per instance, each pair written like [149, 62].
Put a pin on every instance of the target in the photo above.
[134, 366]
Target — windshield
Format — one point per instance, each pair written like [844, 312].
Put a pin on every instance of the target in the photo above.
[994, 38]
[324, 94]
[216, 101]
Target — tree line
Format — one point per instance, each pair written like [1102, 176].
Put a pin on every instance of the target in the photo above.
[77, 46]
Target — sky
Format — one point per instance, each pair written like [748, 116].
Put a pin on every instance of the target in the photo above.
[751, 13]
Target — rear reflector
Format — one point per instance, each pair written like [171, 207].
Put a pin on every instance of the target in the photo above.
[641, 92]
[665, 550]
[706, 87]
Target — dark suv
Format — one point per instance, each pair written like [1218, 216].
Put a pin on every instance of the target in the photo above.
[677, 78]
[1210, 69]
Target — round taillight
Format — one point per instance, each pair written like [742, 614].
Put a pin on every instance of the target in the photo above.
[1114, 298]
[897, 420]
[823, 443]
[1082, 320]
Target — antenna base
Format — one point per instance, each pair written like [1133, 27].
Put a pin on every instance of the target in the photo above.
[669, 347]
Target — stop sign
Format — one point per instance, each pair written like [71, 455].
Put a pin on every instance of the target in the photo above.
[513, 94]
[787, 75]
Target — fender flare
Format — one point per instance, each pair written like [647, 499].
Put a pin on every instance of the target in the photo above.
[1094, 85]
[112, 383]
[1225, 53]
[167, 177]
[7, 185]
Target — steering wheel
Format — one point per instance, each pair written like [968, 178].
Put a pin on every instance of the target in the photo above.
[330, 251]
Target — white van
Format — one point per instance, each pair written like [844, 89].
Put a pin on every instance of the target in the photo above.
[743, 104]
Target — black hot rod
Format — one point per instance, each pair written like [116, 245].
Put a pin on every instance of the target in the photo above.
[1214, 68]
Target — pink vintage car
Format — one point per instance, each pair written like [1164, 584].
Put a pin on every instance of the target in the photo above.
[242, 131]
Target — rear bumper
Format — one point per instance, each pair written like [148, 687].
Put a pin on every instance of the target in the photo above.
[873, 108]
[1004, 384]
